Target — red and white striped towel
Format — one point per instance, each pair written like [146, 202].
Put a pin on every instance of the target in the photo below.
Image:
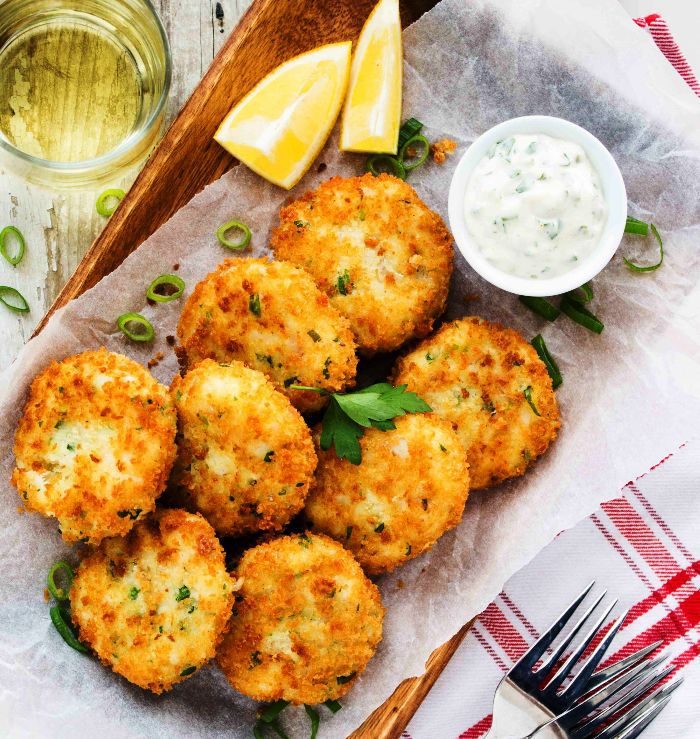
[644, 547]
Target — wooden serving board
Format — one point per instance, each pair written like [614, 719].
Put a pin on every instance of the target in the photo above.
[187, 159]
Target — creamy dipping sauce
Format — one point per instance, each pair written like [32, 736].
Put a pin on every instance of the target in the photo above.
[534, 206]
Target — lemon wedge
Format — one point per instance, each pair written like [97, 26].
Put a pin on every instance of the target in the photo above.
[281, 125]
[372, 113]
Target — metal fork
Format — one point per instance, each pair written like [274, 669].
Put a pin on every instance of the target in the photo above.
[619, 702]
[524, 702]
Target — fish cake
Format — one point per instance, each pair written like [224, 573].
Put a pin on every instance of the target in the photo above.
[95, 444]
[154, 604]
[305, 624]
[273, 318]
[494, 389]
[410, 488]
[376, 250]
[245, 456]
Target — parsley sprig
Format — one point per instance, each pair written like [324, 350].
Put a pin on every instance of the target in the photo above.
[349, 414]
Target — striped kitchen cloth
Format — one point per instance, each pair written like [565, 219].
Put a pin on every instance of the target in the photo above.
[644, 548]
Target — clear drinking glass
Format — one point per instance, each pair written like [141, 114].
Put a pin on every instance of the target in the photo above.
[83, 85]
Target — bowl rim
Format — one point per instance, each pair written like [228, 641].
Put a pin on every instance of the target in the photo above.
[613, 191]
[127, 144]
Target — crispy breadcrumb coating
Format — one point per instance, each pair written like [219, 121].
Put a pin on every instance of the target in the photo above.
[478, 375]
[442, 149]
[378, 252]
[270, 316]
[245, 455]
[155, 604]
[95, 444]
[305, 624]
[410, 488]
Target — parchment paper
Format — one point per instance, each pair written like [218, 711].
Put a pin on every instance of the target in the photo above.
[468, 66]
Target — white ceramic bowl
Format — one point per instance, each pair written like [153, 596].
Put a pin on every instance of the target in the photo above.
[613, 191]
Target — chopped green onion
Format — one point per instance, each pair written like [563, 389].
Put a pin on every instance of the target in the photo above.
[103, 207]
[165, 288]
[342, 679]
[649, 267]
[273, 711]
[277, 729]
[418, 159]
[634, 226]
[527, 392]
[586, 293]
[58, 592]
[9, 232]
[13, 299]
[188, 671]
[388, 164]
[580, 314]
[312, 713]
[548, 360]
[258, 731]
[541, 306]
[241, 242]
[331, 705]
[409, 128]
[60, 618]
[254, 304]
[135, 327]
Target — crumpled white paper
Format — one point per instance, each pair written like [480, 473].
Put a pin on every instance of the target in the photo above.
[469, 65]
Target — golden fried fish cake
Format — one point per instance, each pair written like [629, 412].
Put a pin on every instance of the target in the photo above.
[95, 444]
[245, 455]
[305, 624]
[494, 389]
[380, 254]
[155, 604]
[410, 488]
[272, 317]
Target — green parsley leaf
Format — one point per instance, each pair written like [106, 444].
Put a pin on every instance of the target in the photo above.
[348, 414]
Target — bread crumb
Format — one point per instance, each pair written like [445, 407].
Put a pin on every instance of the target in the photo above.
[155, 360]
[170, 340]
[470, 298]
[47, 595]
[400, 584]
[442, 149]
[176, 266]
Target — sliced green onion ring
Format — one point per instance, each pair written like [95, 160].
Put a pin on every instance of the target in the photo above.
[541, 306]
[136, 327]
[60, 618]
[649, 267]
[635, 226]
[419, 141]
[66, 574]
[13, 299]
[578, 313]
[173, 283]
[102, 205]
[7, 233]
[549, 362]
[389, 164]
[409, 128]
[240, 243]
[272, 711]
[582, 294]
[312, 713]
[332, 705]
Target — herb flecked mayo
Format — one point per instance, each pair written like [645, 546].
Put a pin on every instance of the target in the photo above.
[534, 206]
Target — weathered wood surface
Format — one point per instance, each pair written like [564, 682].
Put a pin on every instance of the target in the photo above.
[60, 228]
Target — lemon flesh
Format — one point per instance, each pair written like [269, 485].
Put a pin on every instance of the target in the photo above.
[372, 113]
[281, 125]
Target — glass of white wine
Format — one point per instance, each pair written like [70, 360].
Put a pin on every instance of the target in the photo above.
[83, 85]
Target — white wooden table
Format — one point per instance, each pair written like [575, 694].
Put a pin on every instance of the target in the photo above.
[59, 227]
